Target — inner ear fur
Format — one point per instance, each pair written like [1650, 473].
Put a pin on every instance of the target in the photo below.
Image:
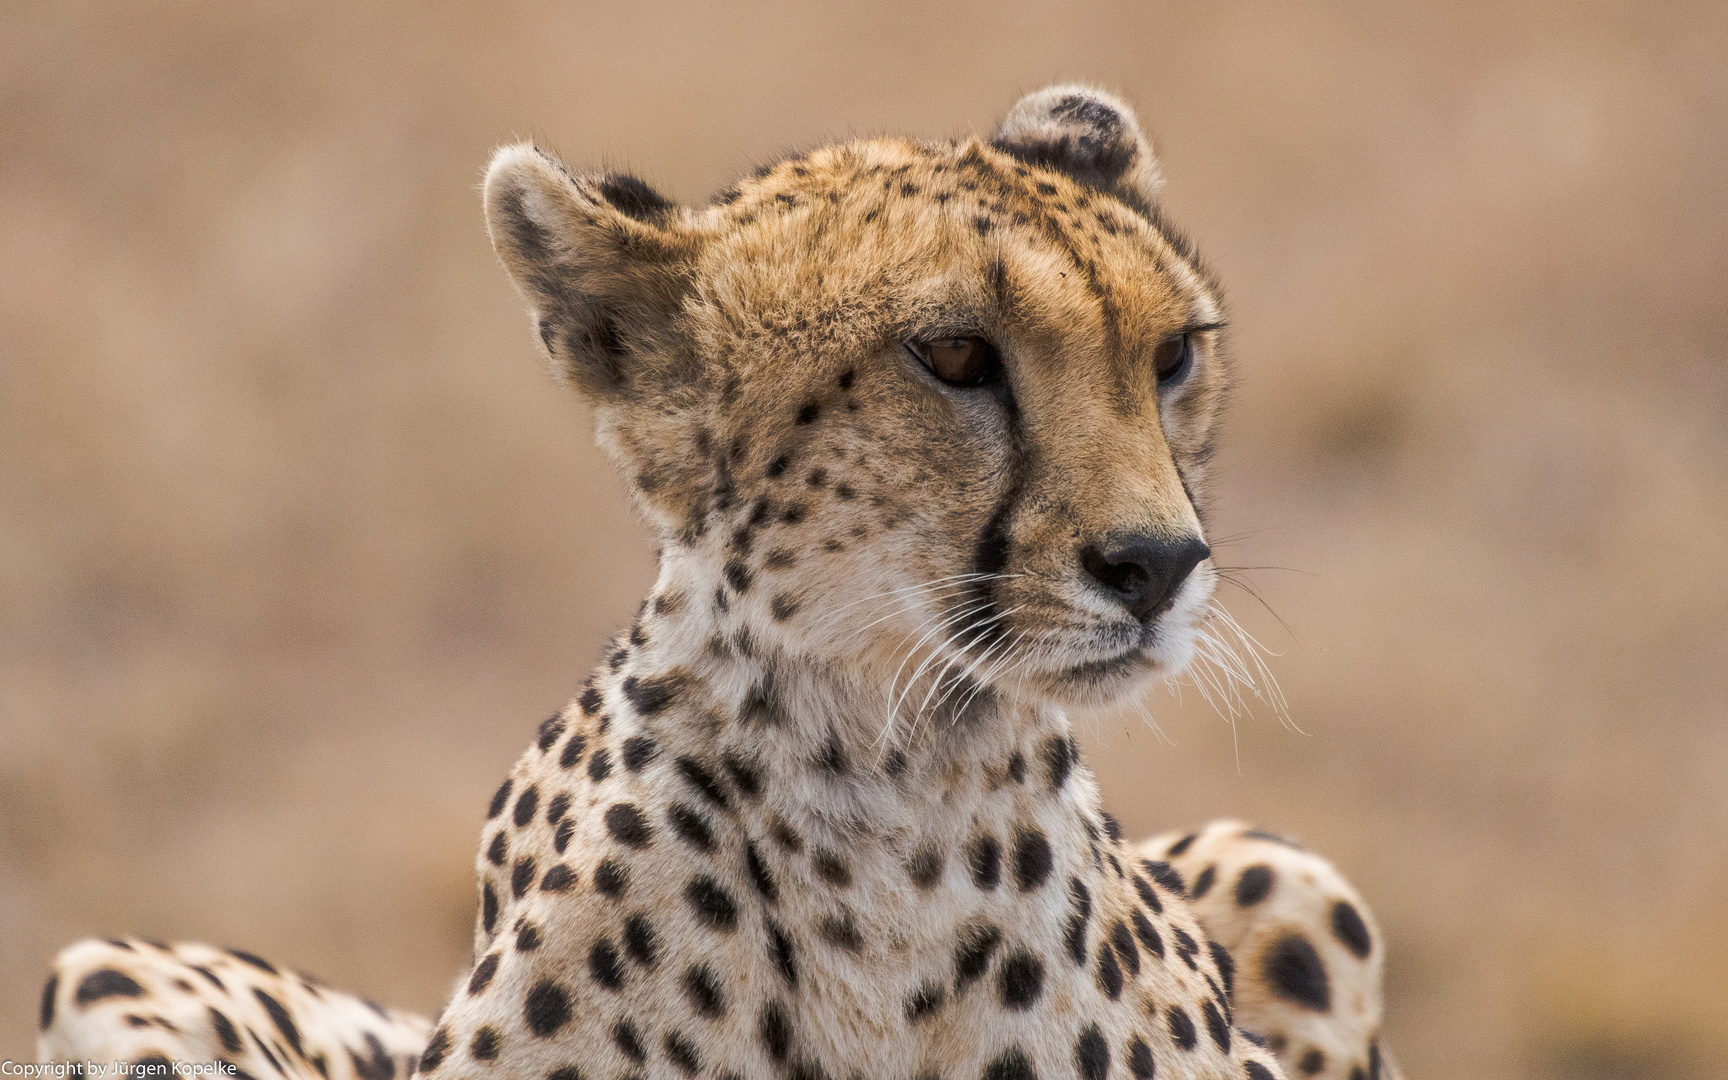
[600, 261]
[1087, 134]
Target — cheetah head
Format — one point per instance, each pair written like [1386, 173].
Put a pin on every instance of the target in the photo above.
[907, 408]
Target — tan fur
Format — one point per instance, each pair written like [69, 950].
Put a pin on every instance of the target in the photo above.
[819, 814]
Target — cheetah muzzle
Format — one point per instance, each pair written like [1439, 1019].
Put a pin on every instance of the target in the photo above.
[923, 431]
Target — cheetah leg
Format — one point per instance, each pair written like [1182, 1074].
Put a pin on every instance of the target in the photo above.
[135, 1001]
[1307, 949]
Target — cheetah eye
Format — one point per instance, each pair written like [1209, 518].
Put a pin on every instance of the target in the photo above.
[1173, 357]
[959, 361]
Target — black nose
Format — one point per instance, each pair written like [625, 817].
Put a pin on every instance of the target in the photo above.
[1143, 572]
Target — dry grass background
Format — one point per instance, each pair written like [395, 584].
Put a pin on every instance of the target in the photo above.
[298, 542]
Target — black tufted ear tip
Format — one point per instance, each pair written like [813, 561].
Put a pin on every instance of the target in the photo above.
[1085, 133]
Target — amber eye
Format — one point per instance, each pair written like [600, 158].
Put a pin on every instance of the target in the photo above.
[959, 361]
[1172, 358]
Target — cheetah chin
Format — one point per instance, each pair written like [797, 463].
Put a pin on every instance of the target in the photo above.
[923, 431]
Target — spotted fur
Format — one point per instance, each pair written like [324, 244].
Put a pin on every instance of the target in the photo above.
[819, 813]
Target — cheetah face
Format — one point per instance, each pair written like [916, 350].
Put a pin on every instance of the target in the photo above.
[935, 412]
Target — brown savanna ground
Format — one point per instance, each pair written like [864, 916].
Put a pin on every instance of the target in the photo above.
[298, 542]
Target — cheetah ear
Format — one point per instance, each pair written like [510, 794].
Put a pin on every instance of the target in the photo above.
[1087, 134]
[597, 260]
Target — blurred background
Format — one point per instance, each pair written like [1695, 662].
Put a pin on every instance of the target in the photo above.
[298, 541]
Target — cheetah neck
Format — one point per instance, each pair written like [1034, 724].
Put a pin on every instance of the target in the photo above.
[705, 682]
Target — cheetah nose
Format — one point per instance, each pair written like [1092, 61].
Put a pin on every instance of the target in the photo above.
[1142, 573]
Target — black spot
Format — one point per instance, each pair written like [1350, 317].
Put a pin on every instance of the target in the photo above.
[831, 868]
[590, 700]
[484, 1045]
[1216, 1025]
[521, 876]
[1254, 884]
[809, 412]
[49, 989]
[1112, 829]
[1181, 845]
[759, 875]
[712, 904]
[1017, 767]
[488, 907]
[628, 826]
[1348, 927]
[1256, 1071]
[972, 955]
[833, 756]
[1296, 972]
[279, 1016]
[436, 1048]
[703, 990]
[639, 750]
[1203, 883]
[256, 961]
[777, 466]
[1140, 1064]
[1374, 1062]
[846, 378]
[692, 827]
[1148, 935]
[561, 838]
[783, 607]
[1075, 938]
[652, 695]
[1011, 1064]
[747, 779]
[1226, 967]
[786, 836]
[1165, 874]
[499, 798]
[611, 878]
[633, 198]
[1032, 859]
[231, 1041]
[628, 1040]
[600, 765]
[1182, 1030]
[925, 868]
[1186, 947]
[640, 942]
[780, 946]
[572, 752]
[550, 729]
[1126, 951]
[604, 965]
[1148, 896]
[557, 808]
[498, 850]
[984, 858]
[1020, 980]
[841, 932]
[1092, 1054]
[1109, 971]
[1059, 759]
[483, 972]
[776, 1031]
[526, 804]
[547, 1008]
[682, 1053]
[702, 780]
[925, 1002]
[1312, 1062]
[738, 576]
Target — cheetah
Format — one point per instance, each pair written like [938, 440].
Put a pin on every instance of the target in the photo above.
[922, 429]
